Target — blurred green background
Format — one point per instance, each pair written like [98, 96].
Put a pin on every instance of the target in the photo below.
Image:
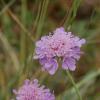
[22, 22]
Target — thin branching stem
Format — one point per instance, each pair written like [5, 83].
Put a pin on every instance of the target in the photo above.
[74, 84]
[42, 18]
[72, 13]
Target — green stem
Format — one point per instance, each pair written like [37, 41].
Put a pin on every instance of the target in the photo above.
[6, 7]
[75, 87]
[23, 36]
[42, 18]
[72, 13]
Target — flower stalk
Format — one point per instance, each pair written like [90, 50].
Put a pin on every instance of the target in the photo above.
[74, 84]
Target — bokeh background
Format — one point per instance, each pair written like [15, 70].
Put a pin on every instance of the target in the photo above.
[22, 22]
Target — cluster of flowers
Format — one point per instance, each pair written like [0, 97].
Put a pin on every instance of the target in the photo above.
[31, 90]
[61, 45]
[57, 46]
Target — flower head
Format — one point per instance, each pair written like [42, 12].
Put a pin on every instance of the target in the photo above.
[62, 45]
[31, 90]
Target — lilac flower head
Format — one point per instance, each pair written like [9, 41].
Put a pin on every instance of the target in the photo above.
[62, 45]
[31, 90]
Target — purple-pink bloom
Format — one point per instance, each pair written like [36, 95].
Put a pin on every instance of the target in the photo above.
[60, 44]
[31, 90]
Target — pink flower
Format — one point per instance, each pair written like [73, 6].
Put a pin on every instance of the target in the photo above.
[62, 45]
[31, 90]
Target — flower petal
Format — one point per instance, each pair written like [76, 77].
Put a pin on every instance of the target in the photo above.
[50, 65]
[54, 67]
[43, 61]
[69, 63]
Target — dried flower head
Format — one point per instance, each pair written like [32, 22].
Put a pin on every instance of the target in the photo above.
[31, 90]
[62, 45]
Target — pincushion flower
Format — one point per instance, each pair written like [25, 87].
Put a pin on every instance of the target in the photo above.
[60, 44]
[31, 90]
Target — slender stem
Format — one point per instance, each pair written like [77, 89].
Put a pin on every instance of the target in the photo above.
[72, 13]
[42, 18]
[75, 87]
[15, 18]
[6, 6]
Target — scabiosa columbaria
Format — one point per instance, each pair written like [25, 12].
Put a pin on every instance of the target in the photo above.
[31, 90]
[60, 44]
